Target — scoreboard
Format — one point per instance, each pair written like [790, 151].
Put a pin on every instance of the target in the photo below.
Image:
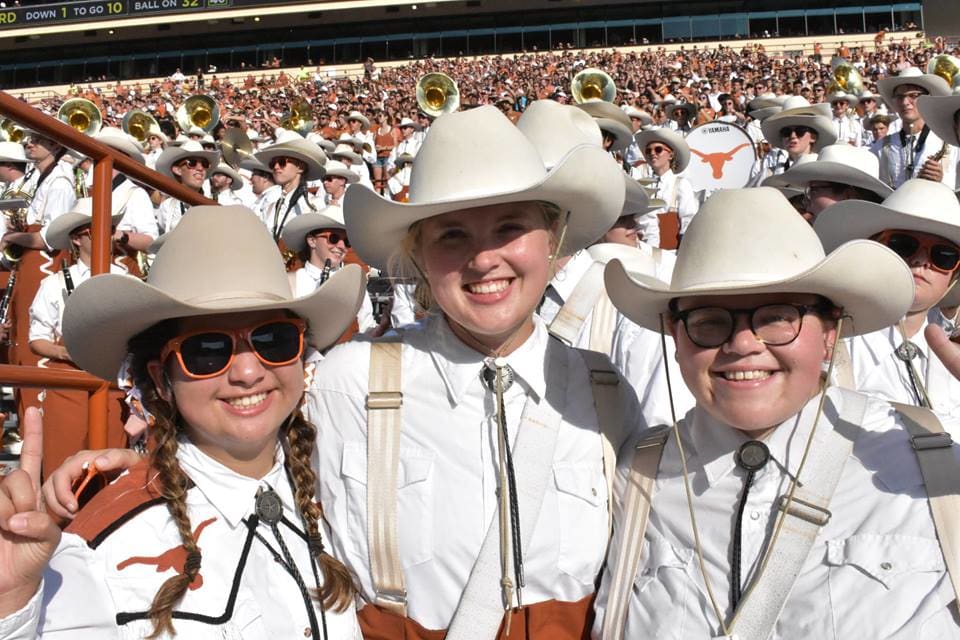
[67, 12]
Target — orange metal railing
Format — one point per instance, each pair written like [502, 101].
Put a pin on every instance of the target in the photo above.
[105, 161]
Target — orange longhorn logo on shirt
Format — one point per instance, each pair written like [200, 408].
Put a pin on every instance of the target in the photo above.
[717, 160]
[173, 558]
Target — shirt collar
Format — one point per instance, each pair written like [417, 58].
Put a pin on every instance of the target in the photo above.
[567, 278]
[459, 366]
[227, 491]
[883, 343]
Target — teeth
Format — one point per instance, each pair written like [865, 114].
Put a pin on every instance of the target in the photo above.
[493, 286]
[746, 375]
[248, 401]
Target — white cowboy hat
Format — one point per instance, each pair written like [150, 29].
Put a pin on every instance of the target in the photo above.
[843, 96]
[295, 232]
[125, 144]
[337, 168]
[883, 117]
[669, 137]
[750, 241]
[783, 181]
[299, 148]
[843, 164]
[610, 118]
[358, 145]
[690, 109]
[404, 158]
[645, 118]
[917, 205]
[934, 84]
[636, 199]
[802, 116]
[635, 260]
[236, 182]
[346, 151]
[554, 129]
[155, 131]
[938, 112]
[586, 186]
[407, 122]
[194, 130]
[58, 233]
[250, 163]
[190, 277]
[320, 141]
[362, 119]
[12, 152]
[189, 149]
[798, 105]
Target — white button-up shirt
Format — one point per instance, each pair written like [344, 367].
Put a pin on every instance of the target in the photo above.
[879, 372]
[264, 203]
[895, 159]
[307, 280]
[447, 487]
[84, 590]
[874, 571]
[46, 311]
[411, 146]
[678, 193]
[137, 209]
[848, 131]
[54, 196]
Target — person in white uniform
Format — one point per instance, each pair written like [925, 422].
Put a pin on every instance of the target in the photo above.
[920, 221]
[781, 506]
[668, 155]
[217, 533]
[188, 164]
[294, 162]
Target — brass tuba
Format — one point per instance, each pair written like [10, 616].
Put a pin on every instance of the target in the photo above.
[845, 77]
[198, 111]
[9, 131]
[16, 221]
[299, 118]
[437, 94]
[138, 123]
[592, 84]
[81, 114]
[947, 67]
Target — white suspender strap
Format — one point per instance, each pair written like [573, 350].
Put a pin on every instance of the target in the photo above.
[636, 511]
[605, 383]
[806, 514]
[843, 366]
[574, 312]
[480, 611]
[602, 324]
[938, 465]
[384, 401]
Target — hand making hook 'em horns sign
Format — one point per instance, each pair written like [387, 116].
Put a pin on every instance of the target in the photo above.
[28, 536]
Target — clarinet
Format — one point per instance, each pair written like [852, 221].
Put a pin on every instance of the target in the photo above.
[326, 271]
[5, 301]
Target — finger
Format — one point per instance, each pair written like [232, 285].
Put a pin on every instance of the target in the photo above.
[35, 525]
[947, 351]
[31, 456]
[19, 489]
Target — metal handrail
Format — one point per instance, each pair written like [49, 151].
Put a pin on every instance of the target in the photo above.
[105, 160]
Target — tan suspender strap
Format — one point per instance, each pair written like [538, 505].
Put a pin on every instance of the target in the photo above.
[636, 511]
[571, 316]
[602, 324]
[941, 475]
[604, 383]
[384, 401]
[843, 366]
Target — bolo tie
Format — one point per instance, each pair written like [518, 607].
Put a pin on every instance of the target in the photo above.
[269, 508]
[498, 376]
[752, 456]
[907, 352]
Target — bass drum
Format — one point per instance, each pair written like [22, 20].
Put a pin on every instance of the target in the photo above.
[722, 156]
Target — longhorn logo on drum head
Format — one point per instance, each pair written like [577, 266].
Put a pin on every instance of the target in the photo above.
[718, 160]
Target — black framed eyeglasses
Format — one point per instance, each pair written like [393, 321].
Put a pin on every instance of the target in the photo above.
[774, 325]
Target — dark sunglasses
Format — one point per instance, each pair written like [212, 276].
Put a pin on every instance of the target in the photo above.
[943, 256]
[333, 237]
[279, 161]
[193, 162]
[207, 354]
[656, 150]
[800, 130]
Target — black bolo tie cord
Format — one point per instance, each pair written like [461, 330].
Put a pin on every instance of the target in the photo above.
[752, 456]
[269, 509]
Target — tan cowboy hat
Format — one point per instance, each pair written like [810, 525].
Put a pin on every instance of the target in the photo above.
[765, 105]
[586, 185]
[783, 181]
[669, 137]
[320, 141]
[125, 144]
[358, 145]
[295, 232]
[191, 277]
[886, 118]
[403, 159]
[636, 199]
[843, 96]
[690, 109]
[299, 148]
[843, 164]
[362, 119]
[189, 149]
[346, 151]
[934, 84]
[748, 241]
[645, 118]
[155, 131]
[802, 116]
[337, 168]
[939, 113]
[635, 260]
[12, 152]
[58, 233]
[407, 122]
[917, 205]
[236, 182]
[250, 163]
[610, 118]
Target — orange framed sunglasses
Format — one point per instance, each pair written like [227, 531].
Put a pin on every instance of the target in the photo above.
[942, 255]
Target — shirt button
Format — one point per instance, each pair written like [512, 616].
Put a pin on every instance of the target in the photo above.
[886, 566]
[594, 492]
[307, 632]
[754, 515]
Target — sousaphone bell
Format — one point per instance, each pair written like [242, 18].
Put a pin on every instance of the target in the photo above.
[138, 123]
[592, 84]
[947, 67]
[299, 118]
[81, 114]
[845, 77]
[198, 111]
[437, 94]
[10, 132]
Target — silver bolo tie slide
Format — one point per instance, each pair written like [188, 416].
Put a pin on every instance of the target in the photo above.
[489, 374]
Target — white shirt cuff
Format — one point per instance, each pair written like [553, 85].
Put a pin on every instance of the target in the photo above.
[22, 624]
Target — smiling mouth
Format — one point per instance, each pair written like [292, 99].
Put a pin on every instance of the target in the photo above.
[738, 376]
[246, 402]
[489, 286]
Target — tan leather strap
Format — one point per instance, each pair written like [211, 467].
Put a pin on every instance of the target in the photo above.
[938, 465]
[636, 511]
[602, 324]
[570, 318]
[384, 402]
[843, 366]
